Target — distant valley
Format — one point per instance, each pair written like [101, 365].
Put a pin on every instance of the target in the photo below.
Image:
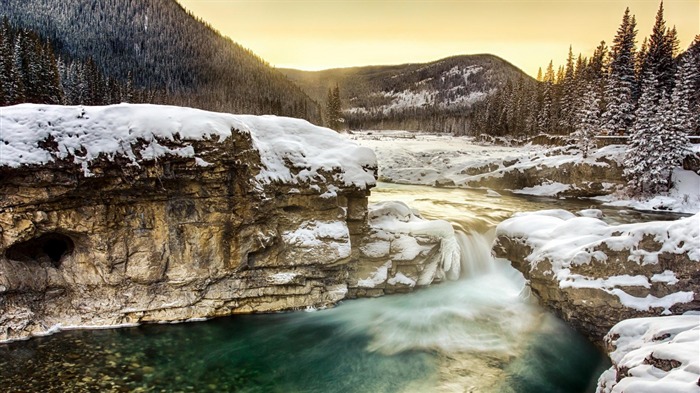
[433, 96]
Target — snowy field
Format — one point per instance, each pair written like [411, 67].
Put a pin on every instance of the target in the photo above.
[434, 159]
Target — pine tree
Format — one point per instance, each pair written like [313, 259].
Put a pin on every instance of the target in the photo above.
[642, 154]
[8, 70]
[568, 95]
[52, 91]
[619, 112]
[588, 120]
[693, 53]
[678, 118]
[334, 115]
[659, 59]
[546, 114]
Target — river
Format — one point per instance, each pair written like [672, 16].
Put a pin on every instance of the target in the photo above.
[482, 333]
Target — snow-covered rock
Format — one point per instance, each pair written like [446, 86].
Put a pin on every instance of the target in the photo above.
[595, 275]
[127, 214]
[534, 170]
[403, 251]
[649, 355]
[290, 150]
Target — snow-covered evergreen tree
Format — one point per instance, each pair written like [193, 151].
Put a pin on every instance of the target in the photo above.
[588, 121]
[334, 114]
[642, 149]
[673, 145]
[546, 115]
[661, 46]
[682, 117]
[568, 95]
[619, 112]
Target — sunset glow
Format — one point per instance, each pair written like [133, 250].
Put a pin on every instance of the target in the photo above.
[315, 35]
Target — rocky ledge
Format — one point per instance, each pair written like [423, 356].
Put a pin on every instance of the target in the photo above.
[557, 172]
[594, 275]
[139, 213]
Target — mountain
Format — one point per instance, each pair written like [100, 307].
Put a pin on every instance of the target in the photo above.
[436, 96]
[160, 46]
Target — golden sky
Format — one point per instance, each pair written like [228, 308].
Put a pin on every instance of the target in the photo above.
[320, 34]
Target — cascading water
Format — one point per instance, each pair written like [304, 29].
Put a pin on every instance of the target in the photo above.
[478, 333]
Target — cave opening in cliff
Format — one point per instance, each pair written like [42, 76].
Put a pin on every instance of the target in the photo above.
[50, 247]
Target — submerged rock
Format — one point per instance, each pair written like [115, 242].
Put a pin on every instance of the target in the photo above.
[139, 213]
[594, 275]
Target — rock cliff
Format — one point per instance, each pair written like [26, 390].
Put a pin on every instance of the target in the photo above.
[139, 213]
[594, 275]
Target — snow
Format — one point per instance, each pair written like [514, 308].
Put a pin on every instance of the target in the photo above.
[641, 342]
[545, 189]
[667, 277]
[594, 213]
[320, 235]
[420, 158]
[567, 240]
[648, 302]
[282, 277]
[378, 277]
[423, 158]
[423, 94]
[291, 150]
[397, 234]
[684, 196]
[492, 194]
[400, 278]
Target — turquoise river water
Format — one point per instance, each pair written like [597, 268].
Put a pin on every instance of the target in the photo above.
[483, 333]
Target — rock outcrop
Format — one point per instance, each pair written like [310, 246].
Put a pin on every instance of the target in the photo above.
[402, 251]
[138, 213]
[573, 176]
[660, 354]
[594, 275]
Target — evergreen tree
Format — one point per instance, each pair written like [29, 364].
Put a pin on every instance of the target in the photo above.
[693, 53]
[659, 58]
[334, 115]
[642, 156]
[18, 72]
[588, 121]
[619, 111]
[679, 117]
[546, 113]
[6, 80]
[568, 95]
[51, 77]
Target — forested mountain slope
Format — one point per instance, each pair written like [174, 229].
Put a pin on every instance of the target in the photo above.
[163, 48]
[436, 96]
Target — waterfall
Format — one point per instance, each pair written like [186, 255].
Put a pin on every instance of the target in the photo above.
[475, 250]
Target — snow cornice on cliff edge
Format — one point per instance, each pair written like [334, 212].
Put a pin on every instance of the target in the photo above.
[291, 150]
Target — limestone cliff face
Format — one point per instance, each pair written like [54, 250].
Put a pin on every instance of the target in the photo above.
[594, 276]
[178, 236]
[170, 241]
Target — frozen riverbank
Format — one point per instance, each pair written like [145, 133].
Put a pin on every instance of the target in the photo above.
[444, 160]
